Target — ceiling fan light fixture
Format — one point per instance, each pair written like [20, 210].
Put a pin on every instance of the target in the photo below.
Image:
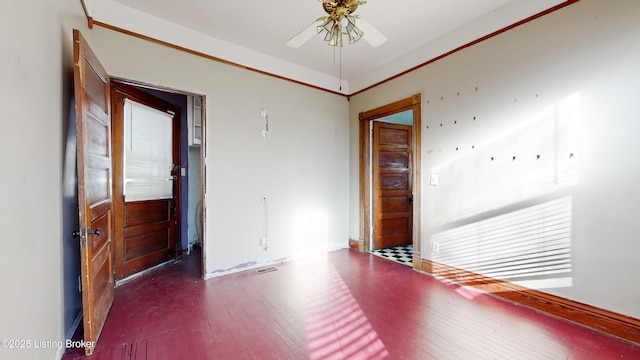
[339, 22]
[350, 28]
[332, 30]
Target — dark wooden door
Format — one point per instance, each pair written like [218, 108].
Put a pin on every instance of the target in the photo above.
[146, 228]
[93, 125]
[392, 191]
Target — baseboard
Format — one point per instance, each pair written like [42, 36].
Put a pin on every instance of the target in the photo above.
[601, 320]
[252, 265]
[132, 277]
[69, 335]
[60, 353]
[74, 326]
[355, 245]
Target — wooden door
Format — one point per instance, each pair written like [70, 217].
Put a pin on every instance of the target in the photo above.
[146, 227]
[93, 124]
[392, 188]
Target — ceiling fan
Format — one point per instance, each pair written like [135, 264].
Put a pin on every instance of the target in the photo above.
[339, 22]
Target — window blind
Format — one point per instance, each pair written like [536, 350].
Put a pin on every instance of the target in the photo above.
[148, 153]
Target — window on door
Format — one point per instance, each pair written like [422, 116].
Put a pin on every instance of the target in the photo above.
[148, 153]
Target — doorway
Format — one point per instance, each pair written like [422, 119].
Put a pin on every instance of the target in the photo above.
[154, 202]
[95, 103]
[390, 180]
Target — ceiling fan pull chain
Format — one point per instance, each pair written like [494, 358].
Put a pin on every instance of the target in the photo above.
[340, 68]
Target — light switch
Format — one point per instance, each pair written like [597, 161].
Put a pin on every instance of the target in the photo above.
[434, 180]
[183, 172]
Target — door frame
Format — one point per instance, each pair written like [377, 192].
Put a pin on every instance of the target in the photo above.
[140, 86]
[411, 103]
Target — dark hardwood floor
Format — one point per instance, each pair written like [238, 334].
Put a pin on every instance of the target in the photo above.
[343, 305]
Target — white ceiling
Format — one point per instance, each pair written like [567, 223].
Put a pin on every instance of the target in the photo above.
[254, 33]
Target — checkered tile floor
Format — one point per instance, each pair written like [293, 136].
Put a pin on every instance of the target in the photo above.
[400, 254]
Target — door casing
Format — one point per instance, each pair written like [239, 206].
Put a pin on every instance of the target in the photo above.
[411, 103]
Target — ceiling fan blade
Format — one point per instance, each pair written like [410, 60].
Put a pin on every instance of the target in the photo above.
[304, 35]
[371, 34]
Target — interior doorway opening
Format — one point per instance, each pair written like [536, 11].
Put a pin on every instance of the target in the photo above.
[391, 175]
[390, 184]
[187, 173]
[95, 103]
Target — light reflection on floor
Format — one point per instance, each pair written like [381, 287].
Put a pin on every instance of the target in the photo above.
[336, 327]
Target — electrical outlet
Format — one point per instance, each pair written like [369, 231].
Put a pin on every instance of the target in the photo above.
[263, 241]
[435, 247]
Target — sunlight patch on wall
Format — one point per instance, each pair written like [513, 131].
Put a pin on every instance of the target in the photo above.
[532, 159]
[310, 231]
[530, 247]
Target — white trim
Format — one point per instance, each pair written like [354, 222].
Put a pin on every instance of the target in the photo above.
[141, 273]
[69, 335]
[75, 325]
[259, 264]
[244, 267]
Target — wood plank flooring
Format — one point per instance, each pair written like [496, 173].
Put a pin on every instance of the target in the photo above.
[342, 305]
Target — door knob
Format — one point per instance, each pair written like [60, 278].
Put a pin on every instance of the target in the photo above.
[76, 233]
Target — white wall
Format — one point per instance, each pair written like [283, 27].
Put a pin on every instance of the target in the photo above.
[590, 49]
[300, 166]
[35, 81]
